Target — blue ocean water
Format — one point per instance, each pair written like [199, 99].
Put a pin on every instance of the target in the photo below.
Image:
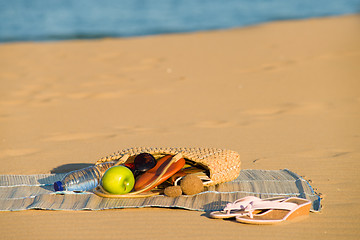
[44, 20]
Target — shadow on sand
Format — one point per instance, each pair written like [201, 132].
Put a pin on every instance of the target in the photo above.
[70, 167]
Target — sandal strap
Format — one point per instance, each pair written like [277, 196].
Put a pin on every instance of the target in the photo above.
[250, 204]
[240, 204]
[268, 205]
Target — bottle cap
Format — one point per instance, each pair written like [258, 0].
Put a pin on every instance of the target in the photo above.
[58, 186]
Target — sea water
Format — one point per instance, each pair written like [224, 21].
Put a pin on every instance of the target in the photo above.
[39, 20]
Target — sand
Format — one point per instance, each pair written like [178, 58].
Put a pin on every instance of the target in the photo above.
[283, 95]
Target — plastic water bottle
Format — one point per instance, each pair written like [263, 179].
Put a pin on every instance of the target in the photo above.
[83, 179]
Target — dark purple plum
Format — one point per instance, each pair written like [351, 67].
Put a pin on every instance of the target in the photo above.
[144, 162]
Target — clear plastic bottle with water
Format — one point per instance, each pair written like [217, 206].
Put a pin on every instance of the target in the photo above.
[84, 179]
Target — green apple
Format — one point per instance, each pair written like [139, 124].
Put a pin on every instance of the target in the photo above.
[118, 180]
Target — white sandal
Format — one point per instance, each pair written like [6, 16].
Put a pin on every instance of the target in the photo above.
[238, 208]
[272, 212]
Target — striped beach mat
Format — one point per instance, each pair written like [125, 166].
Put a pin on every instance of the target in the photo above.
[24, 192]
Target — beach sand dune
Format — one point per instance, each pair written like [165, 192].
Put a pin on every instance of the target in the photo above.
[283, 95]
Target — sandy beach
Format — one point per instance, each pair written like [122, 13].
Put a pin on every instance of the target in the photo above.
[283, 94]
